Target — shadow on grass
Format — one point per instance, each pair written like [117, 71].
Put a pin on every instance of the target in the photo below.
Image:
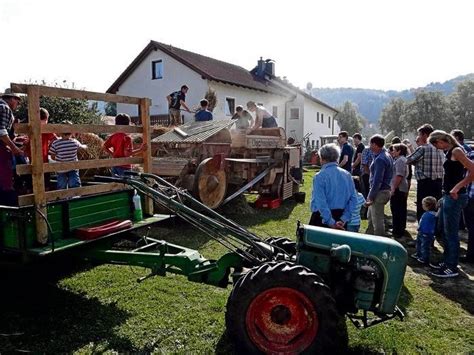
[459, 290]
[40, 317]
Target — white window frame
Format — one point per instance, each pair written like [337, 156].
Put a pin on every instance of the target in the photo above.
[275, 111]
[153, 72]
[227, 110]
[294, 118]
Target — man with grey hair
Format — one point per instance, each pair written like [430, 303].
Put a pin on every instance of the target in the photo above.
[334, 195]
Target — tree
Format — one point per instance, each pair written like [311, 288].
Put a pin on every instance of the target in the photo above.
[428, 107]
[61, 109]
[462, 104]
[392, 117]
[111, 109]
[349, 118]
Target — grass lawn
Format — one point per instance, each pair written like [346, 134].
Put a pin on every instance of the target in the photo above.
[89, 309]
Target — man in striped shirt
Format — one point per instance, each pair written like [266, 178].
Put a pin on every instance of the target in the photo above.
[65, 150]
[429, 171]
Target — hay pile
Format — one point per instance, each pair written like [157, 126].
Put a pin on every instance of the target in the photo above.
[211, 97]
[94, 151]
[238, 206]
[158, 130]
[94, 147]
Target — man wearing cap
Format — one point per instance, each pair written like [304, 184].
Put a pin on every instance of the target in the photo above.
[8, 103]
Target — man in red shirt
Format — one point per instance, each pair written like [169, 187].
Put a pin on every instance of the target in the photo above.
[119, 145]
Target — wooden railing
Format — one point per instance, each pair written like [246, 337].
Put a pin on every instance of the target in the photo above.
[37, 168]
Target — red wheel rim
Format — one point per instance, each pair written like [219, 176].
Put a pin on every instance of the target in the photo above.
[281, 320]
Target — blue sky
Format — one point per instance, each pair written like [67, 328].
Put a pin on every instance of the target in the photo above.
[339, 43]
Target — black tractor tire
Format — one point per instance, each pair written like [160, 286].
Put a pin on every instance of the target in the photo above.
[287, 245]
[282, 307]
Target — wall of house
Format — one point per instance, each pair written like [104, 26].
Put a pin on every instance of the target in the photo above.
[315, 128]
[294, 126]
[175, 74]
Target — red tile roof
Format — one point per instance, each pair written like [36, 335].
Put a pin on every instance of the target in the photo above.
[208, 68]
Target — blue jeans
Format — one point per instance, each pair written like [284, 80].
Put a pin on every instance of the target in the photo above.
[450, 215]
[353, 228]
[119, 171]
[69, 179]
[423, 246]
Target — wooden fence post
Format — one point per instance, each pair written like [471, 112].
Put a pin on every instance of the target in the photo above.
[144, 112]
[37, 164]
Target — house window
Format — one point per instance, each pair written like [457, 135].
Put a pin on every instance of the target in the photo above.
[275, 111]
[329, 121]
[317, 116]
[317, 144]
[312, 144]
[157, 69]
[322, 118]
[294, 113]
[229, 106]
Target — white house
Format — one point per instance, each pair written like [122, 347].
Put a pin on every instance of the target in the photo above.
[161, 69]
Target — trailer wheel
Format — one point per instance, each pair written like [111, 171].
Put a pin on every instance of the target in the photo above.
[284, 308]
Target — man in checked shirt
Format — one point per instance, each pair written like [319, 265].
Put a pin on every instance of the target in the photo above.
[8, 103]
[428, 163]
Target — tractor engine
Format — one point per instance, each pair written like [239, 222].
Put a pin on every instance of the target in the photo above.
[365, 272]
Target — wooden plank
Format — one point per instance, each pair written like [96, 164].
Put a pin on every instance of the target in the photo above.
[37, 171]
[27, 200]
[82, 164]
[75, 94]
[78, 128]
[144, 111]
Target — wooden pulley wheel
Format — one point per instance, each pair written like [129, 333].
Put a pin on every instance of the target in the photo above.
[211, 182]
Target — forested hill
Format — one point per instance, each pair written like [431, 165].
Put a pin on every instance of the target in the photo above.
[371, 102]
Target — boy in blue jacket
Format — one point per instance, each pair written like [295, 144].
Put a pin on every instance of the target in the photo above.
[426, 231]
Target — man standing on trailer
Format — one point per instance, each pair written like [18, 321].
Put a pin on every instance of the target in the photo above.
[175, 101]
[8, 103]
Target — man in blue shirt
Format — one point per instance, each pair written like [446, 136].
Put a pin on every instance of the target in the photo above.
[345, 160]
[334, 195]
[381, 171]
[203, 114]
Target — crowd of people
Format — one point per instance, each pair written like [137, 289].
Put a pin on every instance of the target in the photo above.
[357, 182]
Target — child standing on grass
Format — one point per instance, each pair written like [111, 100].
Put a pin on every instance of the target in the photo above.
[426, 231]
[65, 150]
[354, 223]
[119, 145]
